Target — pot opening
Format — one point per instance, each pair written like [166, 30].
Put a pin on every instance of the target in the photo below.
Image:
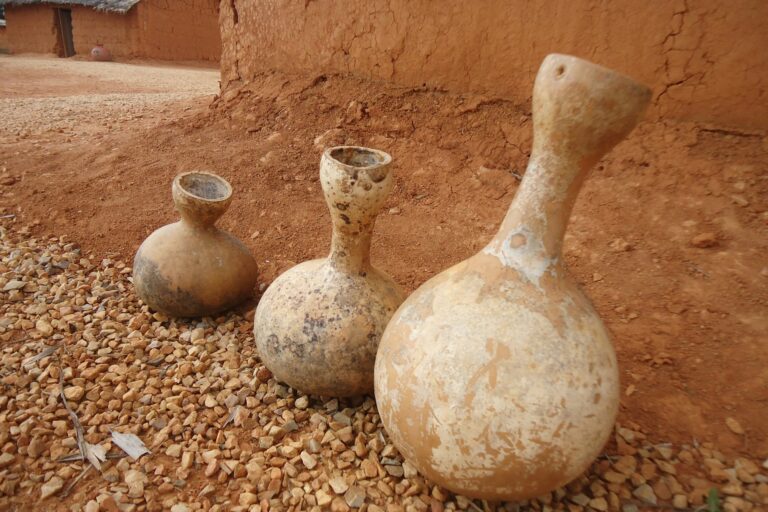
[205, 186]
[361, 158]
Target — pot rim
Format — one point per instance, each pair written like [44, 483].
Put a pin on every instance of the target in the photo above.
[383, 158]
[177, 183]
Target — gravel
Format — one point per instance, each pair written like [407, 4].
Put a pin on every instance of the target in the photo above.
[67, 99]
[223, 434]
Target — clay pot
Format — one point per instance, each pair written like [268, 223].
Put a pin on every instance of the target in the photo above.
[100, 53]
[191, 268]
[317, 327]
[496, 378]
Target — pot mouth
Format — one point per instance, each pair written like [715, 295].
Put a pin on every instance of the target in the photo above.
[358, 157]
[204, 186]
[562, 62]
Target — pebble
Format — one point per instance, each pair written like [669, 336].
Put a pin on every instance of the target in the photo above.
[74, 393]
[355, 496]
[704, 240]
[645, 493]
[338, 484]
[6, 459]
[734, 426]
[51, 487]
[302, 402]
[308, 460]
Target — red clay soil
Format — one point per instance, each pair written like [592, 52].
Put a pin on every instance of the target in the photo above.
[689, 322]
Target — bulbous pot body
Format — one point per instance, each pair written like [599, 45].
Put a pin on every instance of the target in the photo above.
[191, 268]
[318, 325]
[496, 378]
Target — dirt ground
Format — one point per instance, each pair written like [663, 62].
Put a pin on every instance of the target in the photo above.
[668, 237]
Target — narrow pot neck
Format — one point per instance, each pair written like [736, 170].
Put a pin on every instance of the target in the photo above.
[540, 211]
[350, 251]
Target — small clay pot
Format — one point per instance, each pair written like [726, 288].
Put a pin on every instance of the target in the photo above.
[496, 378]
[99, 53]
[317, 327]
[191, 268]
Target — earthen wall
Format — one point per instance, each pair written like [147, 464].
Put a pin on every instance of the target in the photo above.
[179, 30]
[117, 32]
[3, 39]
[706, 60]
[31, 29]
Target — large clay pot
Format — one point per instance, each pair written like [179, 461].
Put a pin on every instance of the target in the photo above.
[191, 268]
[317, 327]
[496, 378]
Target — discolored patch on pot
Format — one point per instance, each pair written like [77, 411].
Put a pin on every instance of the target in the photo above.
[157, 291]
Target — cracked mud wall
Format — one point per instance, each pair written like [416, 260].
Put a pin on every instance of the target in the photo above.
[705, 59]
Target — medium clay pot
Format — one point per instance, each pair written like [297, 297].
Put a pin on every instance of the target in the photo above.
[496, 378]
[99, 53]
[317, 327]
[191, 268]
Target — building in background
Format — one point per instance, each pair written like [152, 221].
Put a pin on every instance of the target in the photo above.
[155, 29]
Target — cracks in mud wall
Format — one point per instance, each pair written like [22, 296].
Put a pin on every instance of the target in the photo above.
[704, 60]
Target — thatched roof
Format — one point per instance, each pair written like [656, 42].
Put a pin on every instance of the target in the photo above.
[118, 6]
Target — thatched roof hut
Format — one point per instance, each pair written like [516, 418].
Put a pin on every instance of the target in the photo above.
[159, 29]
[116, 6]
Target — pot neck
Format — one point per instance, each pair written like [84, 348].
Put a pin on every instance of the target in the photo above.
[351, 251]
[539, 214]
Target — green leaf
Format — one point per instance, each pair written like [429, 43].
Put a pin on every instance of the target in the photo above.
[713, 500]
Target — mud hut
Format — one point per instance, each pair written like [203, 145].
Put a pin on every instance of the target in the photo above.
[156, 29]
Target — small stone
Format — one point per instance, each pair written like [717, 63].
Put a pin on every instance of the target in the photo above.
[599, 504]
[247, 499]
[210, 455]
[355, 496]
[323, 498]
[174, 451]
[308, 460]
[302, 402]
[263, 374]
[44, 327]
[338, 484]
[704, 240]
[35, 448]
[180, 507]
[614, 477]
[51, 487]
[74, 393]
[680, 501]
[14, 284]
[369, 468]
[197, 334]
[187, 459]
[135, 480]
[620, 245]
[734, 426]
[91, 506]
[645, 494]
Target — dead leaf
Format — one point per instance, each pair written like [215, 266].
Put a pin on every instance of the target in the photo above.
[130, 444]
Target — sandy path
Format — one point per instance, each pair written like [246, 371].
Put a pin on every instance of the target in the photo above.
[42, 95]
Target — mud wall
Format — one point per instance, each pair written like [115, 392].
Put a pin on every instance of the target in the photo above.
[173, 30]
[115, 31]
[31, 29]
[3, 40]
[705, 60]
